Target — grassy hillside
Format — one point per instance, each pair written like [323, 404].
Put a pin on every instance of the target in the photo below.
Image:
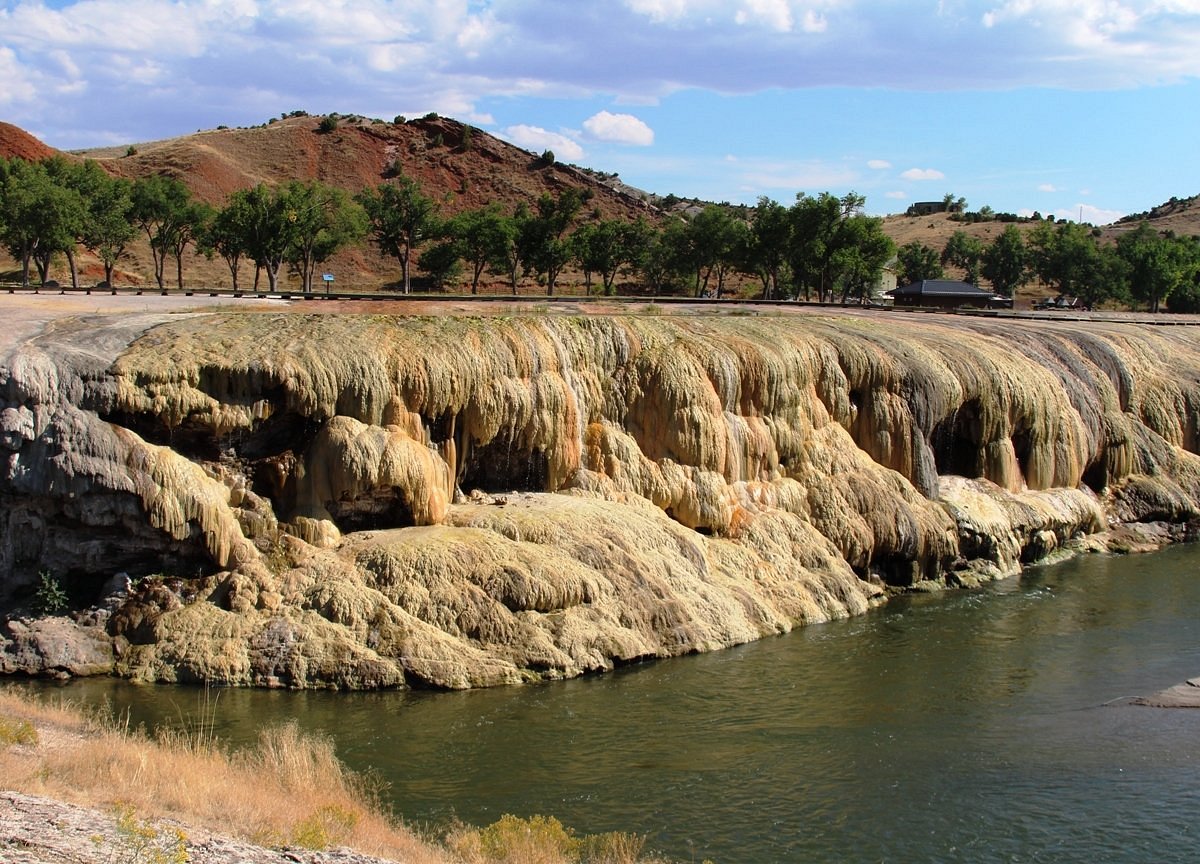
[461, 167]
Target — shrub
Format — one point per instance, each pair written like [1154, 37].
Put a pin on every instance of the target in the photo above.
[542, 840]
[327, 826]
[131, 150]
[327, 124]
[13, 731]
[400, 120]
[547, 157]
[139, 842]
[432, 115]
[614, 847]
[50, 598]
[534, 840]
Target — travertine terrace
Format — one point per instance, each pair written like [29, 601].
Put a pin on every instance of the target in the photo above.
[359, 500]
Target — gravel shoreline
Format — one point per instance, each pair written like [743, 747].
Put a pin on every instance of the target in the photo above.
[37, 830]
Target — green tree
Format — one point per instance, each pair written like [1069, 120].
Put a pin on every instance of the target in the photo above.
[545, 250]
[600, 247]
[164, 208]
[656, 255]
[764, 252]
[320, 220]
[400, 219]
[267, 231]
[510, 254]
[918, 262]
[108, 226]
[1006, 262]
[41, 215]
[442, 262]
[230, 232]
[79, 182]
[1157, 264]
[819, 232]
[864, 251]
[965, 252]
[1067, 258]
[483, 237]
[1186, 295]
[709, 245]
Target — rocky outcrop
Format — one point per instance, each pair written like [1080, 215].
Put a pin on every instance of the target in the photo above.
[374, 501]
[1185, 695]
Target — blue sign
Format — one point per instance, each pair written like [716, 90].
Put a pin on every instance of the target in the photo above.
[326, 277]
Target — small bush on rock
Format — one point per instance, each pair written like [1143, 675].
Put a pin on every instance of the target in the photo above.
[50, 598]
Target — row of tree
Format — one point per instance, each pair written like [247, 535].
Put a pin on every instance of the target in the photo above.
[821, 247]
[1143, 266]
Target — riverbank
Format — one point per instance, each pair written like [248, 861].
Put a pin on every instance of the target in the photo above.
[375, 501]
[982, 725]
[90, 790]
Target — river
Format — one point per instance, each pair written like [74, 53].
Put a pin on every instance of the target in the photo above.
[971, 727]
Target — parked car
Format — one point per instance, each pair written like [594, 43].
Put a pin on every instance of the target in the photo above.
[1062, 302]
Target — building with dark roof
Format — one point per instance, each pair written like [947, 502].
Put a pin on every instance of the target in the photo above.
[947, 294]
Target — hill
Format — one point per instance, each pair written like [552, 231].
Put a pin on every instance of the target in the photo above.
[19, 144]
[460, 166]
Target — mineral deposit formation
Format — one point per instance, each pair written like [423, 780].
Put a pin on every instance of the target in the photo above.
[290, 500]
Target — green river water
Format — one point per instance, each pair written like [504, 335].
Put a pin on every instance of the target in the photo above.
[970, 727]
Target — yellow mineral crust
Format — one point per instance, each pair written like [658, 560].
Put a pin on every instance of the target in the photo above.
[475, 501]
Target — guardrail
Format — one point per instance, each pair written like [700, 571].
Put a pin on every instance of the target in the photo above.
[393, 296]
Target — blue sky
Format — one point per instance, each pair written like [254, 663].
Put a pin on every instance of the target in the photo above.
[1061, 106]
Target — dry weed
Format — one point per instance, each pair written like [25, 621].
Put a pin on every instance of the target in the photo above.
[287, 789]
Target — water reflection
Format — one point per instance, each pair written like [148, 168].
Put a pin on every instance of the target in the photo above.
[968, 727]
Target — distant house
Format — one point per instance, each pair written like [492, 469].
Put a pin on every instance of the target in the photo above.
[947, 294]
[928, 208]
[887, 281]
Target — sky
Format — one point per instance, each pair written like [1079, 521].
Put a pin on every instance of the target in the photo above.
[1075, 108]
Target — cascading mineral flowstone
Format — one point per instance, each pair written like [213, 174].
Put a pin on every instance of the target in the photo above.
[369, 501]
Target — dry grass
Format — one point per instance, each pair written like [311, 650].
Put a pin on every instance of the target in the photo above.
[288, 790]
[542, 840]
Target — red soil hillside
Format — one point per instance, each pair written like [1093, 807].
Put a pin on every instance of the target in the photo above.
[19, 144]
[459, 169]
[361, 153]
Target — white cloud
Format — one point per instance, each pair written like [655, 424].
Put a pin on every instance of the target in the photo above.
[814, 22]
[923, 174]
[805, 176]
[1154, 40]
[536, 138]
[776, 14]
[619, 128]
[475, 33]
[17, 85]
[896, 194]
[1090, 214]
[660, 10]
[773, 15]
[878, 164]
[1047, 187]
[147, 68]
